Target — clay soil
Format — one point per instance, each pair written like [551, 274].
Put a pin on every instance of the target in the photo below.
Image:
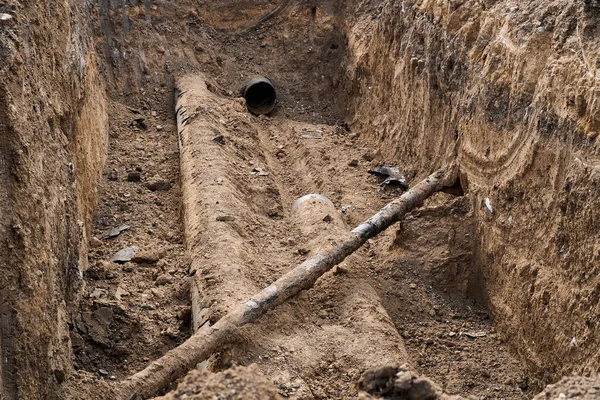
[415, 287]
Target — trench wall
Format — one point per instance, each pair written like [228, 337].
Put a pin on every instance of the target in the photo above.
[53, 133]
[509, 90]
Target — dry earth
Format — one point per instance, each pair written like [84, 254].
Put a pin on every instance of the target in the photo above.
[489, 291]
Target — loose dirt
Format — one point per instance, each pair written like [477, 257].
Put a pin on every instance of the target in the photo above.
[410, 296]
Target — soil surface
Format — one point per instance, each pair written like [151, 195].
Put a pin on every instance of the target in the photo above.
[410, 296]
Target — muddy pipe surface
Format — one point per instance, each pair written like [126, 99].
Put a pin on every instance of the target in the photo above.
[260, 95]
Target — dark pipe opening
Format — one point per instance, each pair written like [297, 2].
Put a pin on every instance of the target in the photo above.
[260, 96]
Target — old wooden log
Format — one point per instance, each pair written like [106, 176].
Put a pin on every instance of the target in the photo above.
[177, 362]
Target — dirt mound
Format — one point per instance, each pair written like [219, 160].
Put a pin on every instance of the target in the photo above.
[237, 383]
[399, 384]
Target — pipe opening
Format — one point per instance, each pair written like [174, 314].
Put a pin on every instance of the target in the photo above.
[260, 96]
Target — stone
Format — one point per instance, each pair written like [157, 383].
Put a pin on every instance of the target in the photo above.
[146, 257]
[159, 185]
[95, 242]
[134, 176]
[163, 279]
[124, 255]
[114, 232]
[353, 163]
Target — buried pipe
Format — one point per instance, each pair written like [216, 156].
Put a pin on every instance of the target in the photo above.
[260, 95]
[178, 361]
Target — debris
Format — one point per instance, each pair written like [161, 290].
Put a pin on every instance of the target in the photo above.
[159, 185]
[353, 163]
[134, 176]
[146, 257]
[114, 232]
[5, 17]
[124, 255]
[474, 335]
[259, 172]
[311, 137]
[488, 205]
[390, 176]
[345, 209]
[573, 342]
[103, 372]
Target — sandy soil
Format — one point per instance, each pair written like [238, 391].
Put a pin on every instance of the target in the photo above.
[401, 299]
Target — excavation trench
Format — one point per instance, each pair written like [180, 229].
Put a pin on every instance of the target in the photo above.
[430, 292]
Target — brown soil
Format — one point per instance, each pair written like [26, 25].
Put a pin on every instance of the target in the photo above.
[489, 291]
[406, 288]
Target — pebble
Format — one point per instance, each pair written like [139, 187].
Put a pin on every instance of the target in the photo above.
[163, 280]
[146, 257]
[95, 242]
[353, 163]
[103, 372]
[134, 176]
[413, 285]
[159, 185]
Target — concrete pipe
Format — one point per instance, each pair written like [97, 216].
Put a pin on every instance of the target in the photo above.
[260, 95]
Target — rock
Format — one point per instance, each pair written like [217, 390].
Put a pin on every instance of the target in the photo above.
[225, 218]
[159, 185]
[114, 232]
[134, 176]
[95, 242]
[113, 176]
[163, 280]
[98, 271]
[259, 172]
[103, 372]
[403, 382]
[124, 255]
[353, 163]
[146, 257]
[153, 113]
[5, 17]
[97, 293]
[413, 285]
[120, 292]
[159, 128]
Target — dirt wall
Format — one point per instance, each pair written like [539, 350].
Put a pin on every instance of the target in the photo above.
[53, 134]
[510, 91]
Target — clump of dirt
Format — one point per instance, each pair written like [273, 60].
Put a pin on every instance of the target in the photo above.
[237, 383]
[399, 384]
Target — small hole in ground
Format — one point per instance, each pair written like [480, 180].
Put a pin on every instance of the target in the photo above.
[456, 189]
